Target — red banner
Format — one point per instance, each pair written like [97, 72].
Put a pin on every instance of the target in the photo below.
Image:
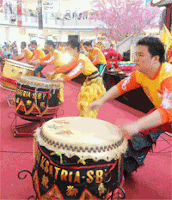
[1, 5]
[19, 13]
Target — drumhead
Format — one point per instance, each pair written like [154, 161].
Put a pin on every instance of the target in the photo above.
[20, 64]
[38, 82]
[87, 138]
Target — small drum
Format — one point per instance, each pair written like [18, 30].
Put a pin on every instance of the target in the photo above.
[36, 96]
[78, 158]
[12, 72]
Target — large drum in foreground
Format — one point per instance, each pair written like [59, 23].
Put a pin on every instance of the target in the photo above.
[12, 72]
[36, 97]
[78, 158]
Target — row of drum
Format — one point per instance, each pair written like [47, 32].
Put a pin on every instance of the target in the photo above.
[34, 96]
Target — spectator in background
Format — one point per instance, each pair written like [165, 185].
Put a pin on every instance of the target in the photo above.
[1, 53]
[5, 51]
[10, 7]
[14, 55]
[14, 45]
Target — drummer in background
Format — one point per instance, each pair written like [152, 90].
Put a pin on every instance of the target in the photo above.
[53, 57]
[96, 56]
[154, 75]
[92, 88]
[38, 53]
[26, 53]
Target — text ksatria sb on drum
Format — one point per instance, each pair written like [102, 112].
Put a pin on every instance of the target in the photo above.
[78, 158]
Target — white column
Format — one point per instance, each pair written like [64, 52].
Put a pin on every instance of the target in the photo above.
[7, 33]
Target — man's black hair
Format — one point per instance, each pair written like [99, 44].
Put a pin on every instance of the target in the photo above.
[23, 44]
[74, 43]
[50, 42]
[155, 47]
[88, 43]
[34, 42]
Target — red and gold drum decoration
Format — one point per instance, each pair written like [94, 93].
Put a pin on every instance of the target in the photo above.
[78, 158]
[12, 72]
[36, 96]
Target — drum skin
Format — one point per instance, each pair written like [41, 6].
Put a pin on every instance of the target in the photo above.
[30, 101]
[60, 177]
[12, 72]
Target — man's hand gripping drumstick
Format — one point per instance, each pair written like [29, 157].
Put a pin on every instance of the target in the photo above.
[127, 129]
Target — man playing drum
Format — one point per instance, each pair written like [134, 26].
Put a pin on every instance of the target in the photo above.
[26, 53]
[53, 57]
[37, 53]
[154, 75]
[92, 88]
[96, 56]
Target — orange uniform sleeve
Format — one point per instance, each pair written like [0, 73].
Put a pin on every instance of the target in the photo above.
[75, 72]
[47, 60]
[25, 52]
[67, 67]
[128, 84]
[89, 56]
[165, 108]
[96, 60]
[37, 54]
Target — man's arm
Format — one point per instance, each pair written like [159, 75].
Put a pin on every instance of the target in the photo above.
[123, 86]
[21, 56]
[67, 67]
[149, 121]
[48, 59]
[162, 115]
[75, 72]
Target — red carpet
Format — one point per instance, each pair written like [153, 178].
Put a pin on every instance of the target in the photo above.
[152, 181]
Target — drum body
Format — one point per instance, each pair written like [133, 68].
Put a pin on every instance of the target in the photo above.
[12, 72]
[69, 170]
[36, 97]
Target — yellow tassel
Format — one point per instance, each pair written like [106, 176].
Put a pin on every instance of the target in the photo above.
[90, 91]
[119, 165]
[61, 159]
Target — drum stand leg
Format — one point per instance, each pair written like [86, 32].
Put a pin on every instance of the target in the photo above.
[19, 176]
[24, 130]
[8, 98]
[27, 129]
